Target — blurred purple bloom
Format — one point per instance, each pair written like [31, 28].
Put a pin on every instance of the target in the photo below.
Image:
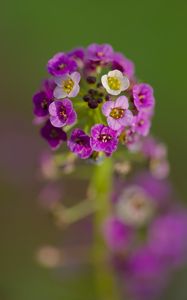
[142, 123]
[117, 113]
[103, 138]
[100, 53]
[54, 136]
[121, 63]
[143, 96]
[61, 64]
[41, 104]
[43, 98]
[168, 237]
[153, 148]
[118, 236]
[50, 195]
[77, 54]
[146, 275]
[158, 190]
[129, 138]
[62, 113]
[79, 143]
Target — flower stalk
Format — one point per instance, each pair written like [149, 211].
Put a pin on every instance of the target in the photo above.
[100, 189]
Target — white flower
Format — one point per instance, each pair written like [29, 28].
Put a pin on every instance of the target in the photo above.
[67, 85]
[115, 82]
[135, 207]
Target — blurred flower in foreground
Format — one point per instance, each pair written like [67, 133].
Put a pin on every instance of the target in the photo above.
[146, 235]
[49, 256]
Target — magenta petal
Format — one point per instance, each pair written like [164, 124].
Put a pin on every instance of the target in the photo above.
[114, 124]
[122, 102]
[72, 118]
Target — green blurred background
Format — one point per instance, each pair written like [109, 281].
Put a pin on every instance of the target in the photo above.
[153, 35]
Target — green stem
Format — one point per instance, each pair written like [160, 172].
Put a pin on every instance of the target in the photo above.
[100, 191]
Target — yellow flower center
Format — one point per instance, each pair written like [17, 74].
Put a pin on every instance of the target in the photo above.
[68, 85]
[114, 83]
[117, 113]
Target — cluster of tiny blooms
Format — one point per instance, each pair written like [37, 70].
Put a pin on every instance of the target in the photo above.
[93, 102]
[146, 235]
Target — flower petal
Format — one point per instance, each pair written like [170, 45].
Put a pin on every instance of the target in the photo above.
[122, 102]
[56, 122]
[114, 124]
[106, 108]
[125, 83]
[75, 77]
[59, 93]
[74, 91]
[115, 73]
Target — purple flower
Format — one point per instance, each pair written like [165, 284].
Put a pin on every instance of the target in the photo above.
[122, 64]
[103, 138]
[168, 237]
[117, 113]
[77, 54]
[118, 236]
[143, 96]
[79, 143]
[62, 113]
[158, 190]
[43, 99]
[153, 148]
[146, 275]
[61, 64]
[142, 123]
[100, 53]
[54, 136]
[41, 104]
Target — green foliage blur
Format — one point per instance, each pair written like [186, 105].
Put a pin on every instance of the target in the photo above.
[153, 35]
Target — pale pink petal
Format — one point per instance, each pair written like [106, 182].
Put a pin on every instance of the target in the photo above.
[122, 102]
[106, 108]
[52, 109]
[56, 122]
[114, 124]
[127, 119]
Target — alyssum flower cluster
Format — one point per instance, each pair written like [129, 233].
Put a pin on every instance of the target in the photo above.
[93, 102]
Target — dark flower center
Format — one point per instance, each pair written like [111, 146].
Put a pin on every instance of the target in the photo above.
[53, 133]
[79, 141]
[117, 113]
[105, 138]
[44, 104]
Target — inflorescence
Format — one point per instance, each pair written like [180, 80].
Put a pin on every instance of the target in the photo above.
[93, 102]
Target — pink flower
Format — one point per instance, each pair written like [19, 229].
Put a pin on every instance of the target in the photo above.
[117, 113]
